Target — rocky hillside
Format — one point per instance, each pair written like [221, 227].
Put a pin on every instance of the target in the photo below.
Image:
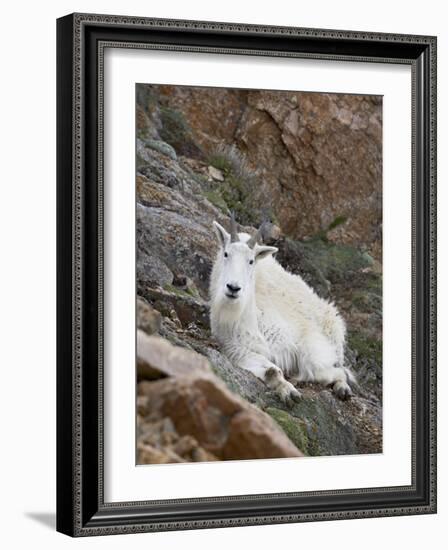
[311, 163]
[313, 154]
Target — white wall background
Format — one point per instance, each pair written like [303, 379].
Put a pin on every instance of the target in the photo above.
[27, 289]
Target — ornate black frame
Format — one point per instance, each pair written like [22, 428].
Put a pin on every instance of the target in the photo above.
[81, 39]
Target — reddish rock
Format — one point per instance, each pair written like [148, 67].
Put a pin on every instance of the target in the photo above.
[203, 410]
[318, 156]
[156, 358]
[147, 454]
[212, 113]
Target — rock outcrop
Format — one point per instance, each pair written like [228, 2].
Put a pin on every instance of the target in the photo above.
[190, 411]
[196, 157]
[317, 156]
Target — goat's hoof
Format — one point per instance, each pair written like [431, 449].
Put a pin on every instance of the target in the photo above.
[273, 374]
[291, 397]
[296, 396]
[342, 390]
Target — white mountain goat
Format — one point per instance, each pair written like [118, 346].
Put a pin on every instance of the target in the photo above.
[271, 323]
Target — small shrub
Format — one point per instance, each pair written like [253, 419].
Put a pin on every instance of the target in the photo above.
[323, 233]
[217, 200]
[230, 160]
[339, 220]
[237, 190]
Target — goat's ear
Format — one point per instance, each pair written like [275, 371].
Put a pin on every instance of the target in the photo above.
[223, 236]
[262, 251]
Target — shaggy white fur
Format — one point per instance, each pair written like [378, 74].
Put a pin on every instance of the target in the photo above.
[270, 322]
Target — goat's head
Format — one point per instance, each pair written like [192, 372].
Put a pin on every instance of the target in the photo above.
[236, 259]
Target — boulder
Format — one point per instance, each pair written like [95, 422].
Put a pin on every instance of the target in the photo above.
[157, 358]
[200, 406]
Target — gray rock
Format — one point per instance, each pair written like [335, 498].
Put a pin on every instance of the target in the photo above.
[161, 147]
[189, 309]
[151, 270]
[148, 319]
[215, 173]
[177, 241]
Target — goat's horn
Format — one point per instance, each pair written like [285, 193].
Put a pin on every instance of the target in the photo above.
[233, 229]
[254, 240]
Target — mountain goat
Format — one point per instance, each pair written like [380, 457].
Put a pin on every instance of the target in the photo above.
[271, 323]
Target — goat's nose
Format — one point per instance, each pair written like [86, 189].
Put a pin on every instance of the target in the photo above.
[233, 287]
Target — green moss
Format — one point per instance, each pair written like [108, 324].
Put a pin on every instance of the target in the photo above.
[294, 428]
[190, 291]
[193, 291]
[176, 290]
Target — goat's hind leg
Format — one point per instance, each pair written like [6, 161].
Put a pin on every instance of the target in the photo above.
[272, 376]
[324, 366]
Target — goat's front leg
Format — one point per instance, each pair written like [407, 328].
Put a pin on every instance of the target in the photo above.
[272, 376]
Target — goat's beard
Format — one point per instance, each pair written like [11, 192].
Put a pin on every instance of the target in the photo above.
[232, 304]
[232, 301]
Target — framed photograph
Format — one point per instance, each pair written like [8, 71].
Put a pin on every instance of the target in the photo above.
[246, 274]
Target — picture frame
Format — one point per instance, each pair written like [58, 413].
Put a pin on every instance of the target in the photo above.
[81, 507]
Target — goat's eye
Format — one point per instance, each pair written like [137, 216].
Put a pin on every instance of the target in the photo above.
[226, 255]
[251, 262]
